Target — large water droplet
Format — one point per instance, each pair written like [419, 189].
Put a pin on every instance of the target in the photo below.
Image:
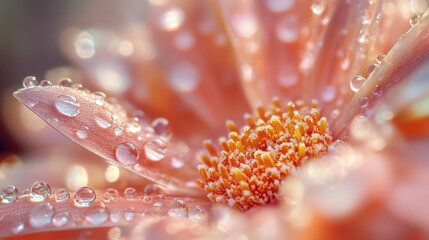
[152, 189]
[356, 83]
[61, 218]
[29, 82]
[162, 128]
[82, 132]
[67, 105]
[65, 82]
[97, 216]
[41, 215]
[178, 208]
[39, 191]
[62, 195]
[127, 154]
[9, 194]
[155, 150]
[45, 83]
[84, 197]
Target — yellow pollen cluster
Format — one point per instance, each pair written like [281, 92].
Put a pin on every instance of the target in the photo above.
[253, 161]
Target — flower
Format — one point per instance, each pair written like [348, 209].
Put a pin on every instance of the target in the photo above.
[200, 63]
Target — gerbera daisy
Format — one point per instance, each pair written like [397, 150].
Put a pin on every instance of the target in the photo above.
[330, 147]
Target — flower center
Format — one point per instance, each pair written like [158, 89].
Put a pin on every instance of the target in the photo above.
[254, 160]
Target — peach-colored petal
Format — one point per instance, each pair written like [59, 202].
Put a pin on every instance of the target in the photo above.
[403, 58]
[104, 129]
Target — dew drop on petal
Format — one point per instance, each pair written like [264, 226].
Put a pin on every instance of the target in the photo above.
[9, 194]
[158, 200]
[318, 7]
[103, 123]
[162, 128]
[97, 216]
[414, 20]
[127, 154]
[18, 227]
[29, 82]
[363, 102]
[65, 82]
[41, 215]
[279, 6]
[152, 189]
[129, 214]
[197, 213]
[39, 191]
[67, 105]
[380, 58]
[118, 131]
[82, 133]
[130, 192]
[45, 83]
[155, 149]
[178, 208]
[62, 195]
[84, 197]
[356, 83]
[61, 218]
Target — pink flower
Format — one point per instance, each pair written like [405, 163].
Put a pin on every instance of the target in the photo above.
[353, 168]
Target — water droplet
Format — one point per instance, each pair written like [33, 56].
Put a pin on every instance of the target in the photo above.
[127, 154]
[9, 194]
[77, 86]
[102, 122]
[62, 195]
[372, 67]
[287, 29]
[414, 20]
[61, 218]
[99, 98]
[67, 105]
[118, 131]
[65, 82]
[82, 133]
[97, 216]
[318, 7]
[380, 58]
[129, 214]
[184, 77]
[356, 83]
[130, 193]
[328, 94]
[39, 191]
[172, 19]
[84, 197]
[176, 162]
[152, 189]
[41, 215]
[29, 82]
[155, 150]
[45, 83]
[158, 200]
[363, 102]
[197, 213]
[137, 167]
[110, 194]
[19, 227]
[162, 128]
[85, 45]
[279, 6]
[115, 217]
[178, 208]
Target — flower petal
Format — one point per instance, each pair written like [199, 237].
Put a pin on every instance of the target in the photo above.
[103, 128]
[405, 56]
